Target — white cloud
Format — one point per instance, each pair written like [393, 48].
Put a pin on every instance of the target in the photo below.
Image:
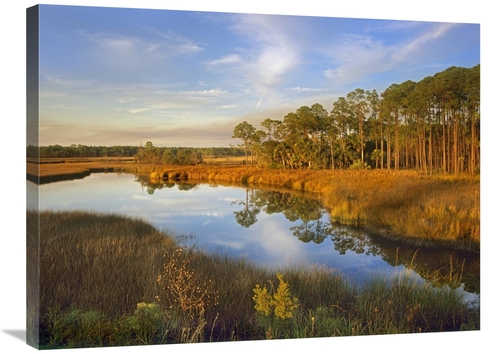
[417, 46]
[260, 101]
[160, 46]
[138, 110]
[228, 59]
[185, 44]
[212, 92]
[168, 105]
[351, 73]
[272, 64]
[356, 57]
[190, 48]
[304, 89]
[126, 99]
[107, 40]
[62, 82]
[61, 106]
[269, 52]
[51, 94]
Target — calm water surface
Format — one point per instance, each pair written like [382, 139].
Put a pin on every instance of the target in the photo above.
[274, 229]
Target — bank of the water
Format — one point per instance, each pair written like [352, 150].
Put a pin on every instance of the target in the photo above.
[403, 205]
[105, 280]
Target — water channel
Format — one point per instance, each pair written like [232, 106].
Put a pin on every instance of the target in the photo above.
[271, 228]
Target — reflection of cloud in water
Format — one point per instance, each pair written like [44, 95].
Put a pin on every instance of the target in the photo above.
[275, 241]
[140, 197]
[209, 214]
[224, 245]
[359, 260]
[169, 208]
[179, 215]
[229, 200]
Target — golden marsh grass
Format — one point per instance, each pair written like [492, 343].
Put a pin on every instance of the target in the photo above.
[396, 204]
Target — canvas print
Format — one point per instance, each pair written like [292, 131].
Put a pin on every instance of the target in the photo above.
[212, 177]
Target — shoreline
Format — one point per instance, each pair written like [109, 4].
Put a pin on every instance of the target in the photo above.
[434, 211]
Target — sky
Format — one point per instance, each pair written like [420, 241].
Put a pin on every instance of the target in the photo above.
[125, 76]
[13, 138]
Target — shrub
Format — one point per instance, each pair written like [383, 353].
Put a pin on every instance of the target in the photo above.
[146, 323]
[273, 310]
[186, 295]
[75, 328]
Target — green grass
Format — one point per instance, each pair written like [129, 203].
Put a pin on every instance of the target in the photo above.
[108, 280]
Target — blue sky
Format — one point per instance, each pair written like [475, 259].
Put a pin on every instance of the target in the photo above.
[117, 76]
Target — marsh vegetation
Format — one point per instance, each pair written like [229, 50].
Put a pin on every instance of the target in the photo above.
[104, 276]
[110, 280]
[396, 204]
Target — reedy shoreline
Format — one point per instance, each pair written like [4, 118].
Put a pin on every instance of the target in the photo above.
[423, 210]
[401, 205]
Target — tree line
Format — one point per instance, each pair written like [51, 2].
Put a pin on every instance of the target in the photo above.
[74, 150]
[148, 153]
[431, 126]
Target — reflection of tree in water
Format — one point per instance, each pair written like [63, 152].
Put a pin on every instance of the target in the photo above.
[311, 231]
[293, 207]
[352, 239]
[248, 216]
[186, 186]
[433, 264]
[438, 265]
[151, 187]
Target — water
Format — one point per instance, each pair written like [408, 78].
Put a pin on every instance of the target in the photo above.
[275, 229]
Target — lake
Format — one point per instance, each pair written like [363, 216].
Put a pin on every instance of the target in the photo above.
[269, 228]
